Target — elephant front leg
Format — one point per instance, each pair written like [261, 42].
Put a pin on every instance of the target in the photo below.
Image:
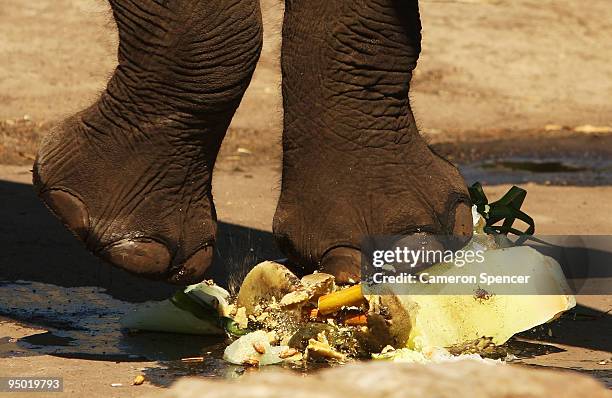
[131, 175]
[354, 163]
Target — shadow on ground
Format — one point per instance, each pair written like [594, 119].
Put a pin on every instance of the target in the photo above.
[49, 280]
[34, 246]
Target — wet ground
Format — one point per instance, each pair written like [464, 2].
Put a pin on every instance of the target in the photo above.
[563, 158]
[83, 323]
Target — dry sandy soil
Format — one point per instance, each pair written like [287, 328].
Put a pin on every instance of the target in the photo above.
[488, 69]
[486, 64]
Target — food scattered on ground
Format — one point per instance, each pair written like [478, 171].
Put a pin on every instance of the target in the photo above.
[278, 317]
[265, 281]
[199, 309]
[333, 302]
[590, 129]
[138, 380]
[435, 318]
[319, 348]
[434, 355]
[254, 349]
[192, 359]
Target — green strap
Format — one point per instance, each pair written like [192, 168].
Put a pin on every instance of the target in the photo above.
[508, 209]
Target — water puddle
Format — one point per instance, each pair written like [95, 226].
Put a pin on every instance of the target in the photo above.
[535, 166]
[83, 323]
[518, 158]
[553, 171]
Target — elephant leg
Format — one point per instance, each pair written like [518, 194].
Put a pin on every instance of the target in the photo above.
[131, 175]
[354, 163]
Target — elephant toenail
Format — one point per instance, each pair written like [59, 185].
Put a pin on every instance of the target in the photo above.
[70, 209]
[344, 263]
[145, 257]
[194, 268]
[462, 226]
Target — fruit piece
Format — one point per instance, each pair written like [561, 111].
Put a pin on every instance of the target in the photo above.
[259, 348]
[288, 353]
[265, 281]
[211, 295]
[309, 331]
[356, 320]
[312, 287]
[319, 348]
[241, 318]
[138, 380]
[296, 298]
[196, 310]
[164, 316]
[254, 349]
[318, 284]
[437, 319]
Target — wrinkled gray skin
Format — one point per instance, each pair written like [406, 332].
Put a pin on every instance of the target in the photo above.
[131, 174]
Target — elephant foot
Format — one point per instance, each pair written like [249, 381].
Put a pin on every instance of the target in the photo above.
[136, 199]
[327, 207]
[354, 163]
[130, 176]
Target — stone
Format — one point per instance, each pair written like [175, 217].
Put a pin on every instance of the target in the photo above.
[462, 379]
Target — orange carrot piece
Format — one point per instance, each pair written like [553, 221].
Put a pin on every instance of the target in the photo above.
[356, 320]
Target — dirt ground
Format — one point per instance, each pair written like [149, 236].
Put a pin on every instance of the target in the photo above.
[489, 70]
[246, 205]
[486, 64]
